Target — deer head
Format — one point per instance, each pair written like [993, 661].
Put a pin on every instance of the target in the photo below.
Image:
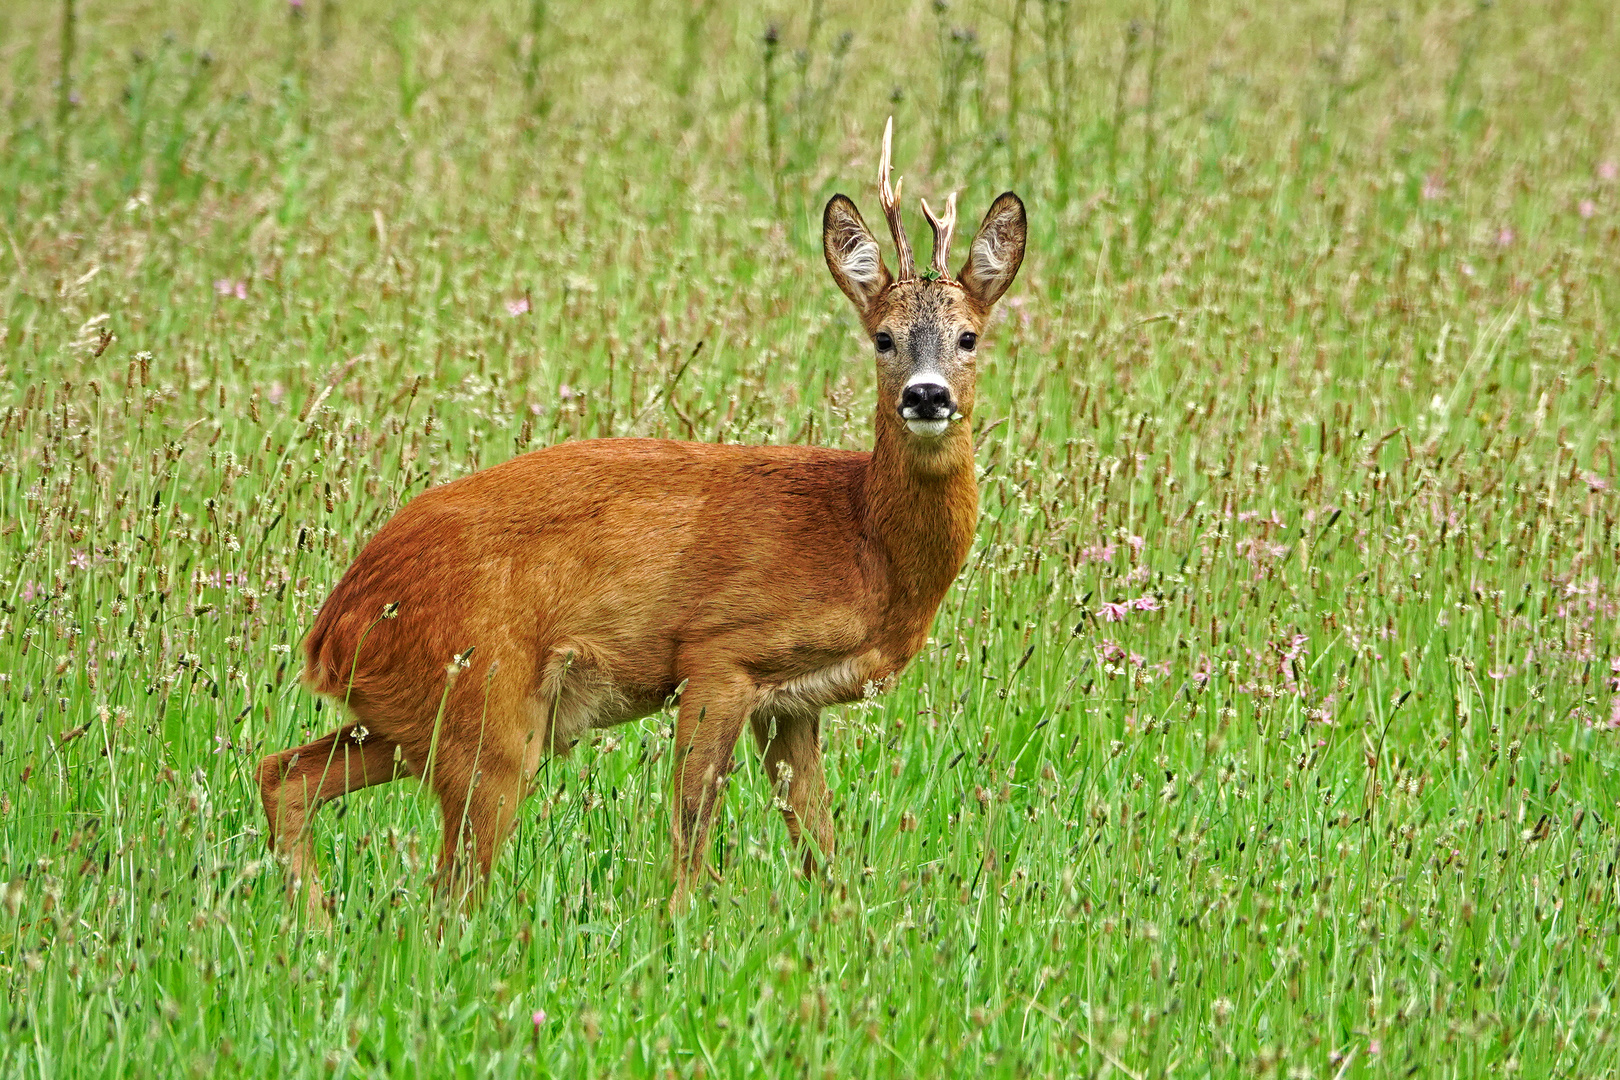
[925, 327]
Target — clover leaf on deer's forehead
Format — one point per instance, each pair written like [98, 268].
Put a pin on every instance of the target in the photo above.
[930, 274]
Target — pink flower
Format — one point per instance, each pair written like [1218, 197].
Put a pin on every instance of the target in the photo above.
[1504, 236]
[1112, 650]
[1586, 208]
[1136, 543]
[1114, 612]
[566, 392]
[1146, 603]
[1608, 170]
[518, 306]
[277, 392]
[1432, 188]
[80, 560]
[1020, 305]
[1103, 552]
[28, 590]
[539, 1019]
[231, 287]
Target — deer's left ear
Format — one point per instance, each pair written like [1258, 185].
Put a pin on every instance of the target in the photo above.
[997, 251]
[852, 254]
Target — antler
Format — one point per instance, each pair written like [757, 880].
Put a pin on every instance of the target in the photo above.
[890, 198]
[943, 227]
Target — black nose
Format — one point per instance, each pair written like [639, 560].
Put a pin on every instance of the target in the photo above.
[927, 401]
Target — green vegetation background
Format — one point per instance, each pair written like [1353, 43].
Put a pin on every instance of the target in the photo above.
[1270, 730]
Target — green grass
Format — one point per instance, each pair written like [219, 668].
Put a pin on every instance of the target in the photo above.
[1315, 349]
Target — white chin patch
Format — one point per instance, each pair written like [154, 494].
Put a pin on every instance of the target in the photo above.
[930, 429]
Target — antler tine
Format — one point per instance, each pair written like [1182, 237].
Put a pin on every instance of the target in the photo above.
[943, 227]
[890, 198]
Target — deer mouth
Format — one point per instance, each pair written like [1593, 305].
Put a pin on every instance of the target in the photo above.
[928, 429]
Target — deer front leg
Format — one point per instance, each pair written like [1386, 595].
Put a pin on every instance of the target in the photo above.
[790, 741]
[713, 708]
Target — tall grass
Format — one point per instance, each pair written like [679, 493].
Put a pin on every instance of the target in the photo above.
[1270, 730]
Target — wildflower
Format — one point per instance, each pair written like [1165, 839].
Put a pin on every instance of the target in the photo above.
[1146, 603]
[1136, 543]
[231, 287]
[566, 392]
[517, 306]
[1608, 170]
[1586, 208]
[1114, 611]
[1504, 236]
[1103, 552]
[1594, 482]
[539, 1019]
[1432, 188]
[80, 559]
[277, 393]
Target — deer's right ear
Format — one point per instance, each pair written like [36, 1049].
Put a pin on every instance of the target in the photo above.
[852, 253]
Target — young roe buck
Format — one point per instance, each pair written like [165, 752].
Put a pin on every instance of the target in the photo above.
[498, 618]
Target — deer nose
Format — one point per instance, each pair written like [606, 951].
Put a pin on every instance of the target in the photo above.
[927, 401]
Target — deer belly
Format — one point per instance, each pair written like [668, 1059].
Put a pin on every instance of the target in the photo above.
[845, 680]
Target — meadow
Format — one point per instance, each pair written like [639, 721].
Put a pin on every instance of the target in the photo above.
[1272, 729]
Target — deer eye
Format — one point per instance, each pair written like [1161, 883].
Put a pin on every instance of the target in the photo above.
[968, 340]
[883, 341]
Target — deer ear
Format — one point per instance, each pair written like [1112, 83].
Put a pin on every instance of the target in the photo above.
[852, 254]
[997, 251]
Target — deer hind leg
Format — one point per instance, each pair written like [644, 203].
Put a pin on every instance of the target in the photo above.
[478, 773]
[479, 801]
[294, 782]
[790, 740]
[713, 709]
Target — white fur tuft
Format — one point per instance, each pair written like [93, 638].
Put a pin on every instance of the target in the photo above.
[986, 254]
[860, 262]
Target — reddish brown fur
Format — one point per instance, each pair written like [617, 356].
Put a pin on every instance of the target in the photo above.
[589, 581]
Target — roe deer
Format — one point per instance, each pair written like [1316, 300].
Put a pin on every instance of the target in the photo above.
[495, 619]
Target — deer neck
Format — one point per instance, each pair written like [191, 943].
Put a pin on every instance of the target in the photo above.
[922, 509]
